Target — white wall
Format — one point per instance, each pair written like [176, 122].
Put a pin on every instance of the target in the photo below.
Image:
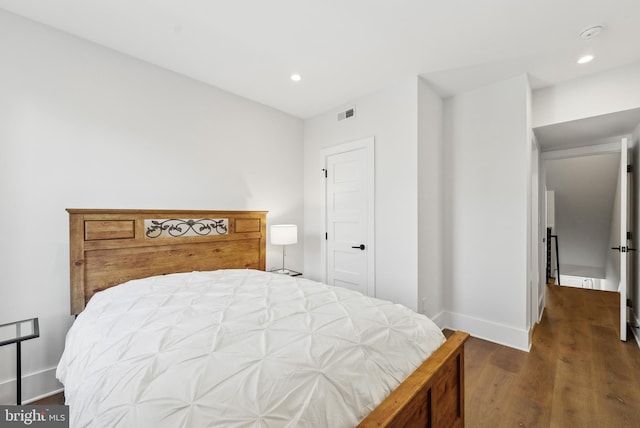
[83, 126]
[486, 155]
[391, 117]
[594, 95]
[551, 207]
[430, 194]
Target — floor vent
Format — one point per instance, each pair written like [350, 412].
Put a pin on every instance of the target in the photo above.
[347, 114]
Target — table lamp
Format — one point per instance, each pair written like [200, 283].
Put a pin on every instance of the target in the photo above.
[284, 234]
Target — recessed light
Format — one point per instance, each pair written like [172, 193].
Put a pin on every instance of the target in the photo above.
[296, 77]
[585, 59]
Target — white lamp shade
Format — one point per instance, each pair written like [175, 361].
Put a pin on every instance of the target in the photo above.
[284, 234]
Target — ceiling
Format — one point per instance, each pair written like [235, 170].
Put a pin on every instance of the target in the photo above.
[350, 48]
[586, 180]
[603, 129]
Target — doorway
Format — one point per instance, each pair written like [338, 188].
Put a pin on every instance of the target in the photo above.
[585, 193]
[593, 226]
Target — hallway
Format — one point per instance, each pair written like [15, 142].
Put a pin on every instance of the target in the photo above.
[578, 373]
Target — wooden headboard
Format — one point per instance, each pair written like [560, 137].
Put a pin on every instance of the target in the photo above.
[109, 247]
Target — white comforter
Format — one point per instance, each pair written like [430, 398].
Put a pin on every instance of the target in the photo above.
[238, 348]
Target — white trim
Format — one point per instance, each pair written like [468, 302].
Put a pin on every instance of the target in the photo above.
[35, 386]
[45, 395]
[541, 306]
[635, 327]
[367, 143]
[535, 244]
[624, 223]
[487, 330]
[440, 320]
[582, 151]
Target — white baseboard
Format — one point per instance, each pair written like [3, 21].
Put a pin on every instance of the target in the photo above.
[635, 327]
[34, 387]
[439, 320]
[487, 330]
[40, 397]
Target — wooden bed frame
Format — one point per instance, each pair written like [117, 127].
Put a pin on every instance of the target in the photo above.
[109, 247]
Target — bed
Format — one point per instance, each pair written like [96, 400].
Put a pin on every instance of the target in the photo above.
[174, 271]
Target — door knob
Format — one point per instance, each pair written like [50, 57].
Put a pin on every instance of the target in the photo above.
[361, 246]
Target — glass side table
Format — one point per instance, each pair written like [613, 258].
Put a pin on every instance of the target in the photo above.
[17, 332]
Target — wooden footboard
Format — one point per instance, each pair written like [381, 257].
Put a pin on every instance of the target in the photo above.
[432, 396]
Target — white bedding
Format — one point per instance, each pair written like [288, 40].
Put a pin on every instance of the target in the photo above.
[238, 348]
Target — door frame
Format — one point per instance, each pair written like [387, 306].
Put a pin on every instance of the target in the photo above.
[534, 278]
[367, 143]
[625, 260]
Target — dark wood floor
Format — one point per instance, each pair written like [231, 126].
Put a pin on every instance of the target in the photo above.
[577, 375]
[52, 400]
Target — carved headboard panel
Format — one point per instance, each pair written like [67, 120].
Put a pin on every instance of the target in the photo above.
[109, 247]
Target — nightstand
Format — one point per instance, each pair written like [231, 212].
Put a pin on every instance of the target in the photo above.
[286, 272]
[17, 332]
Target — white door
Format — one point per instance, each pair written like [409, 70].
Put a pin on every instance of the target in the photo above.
[349, 216]
[625, 238]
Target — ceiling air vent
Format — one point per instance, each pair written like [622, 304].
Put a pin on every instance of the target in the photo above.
[347, 114]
